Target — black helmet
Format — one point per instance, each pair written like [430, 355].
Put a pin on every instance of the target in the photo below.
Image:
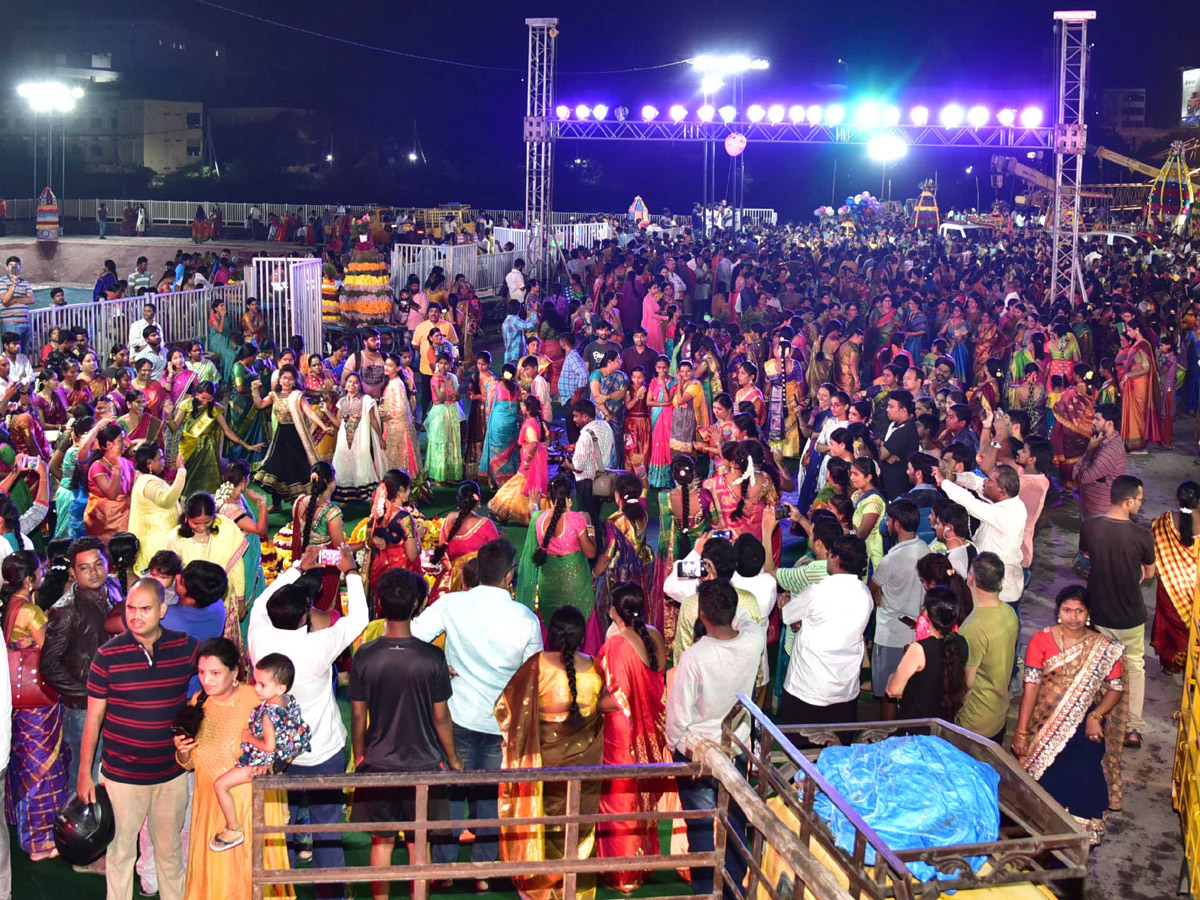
[83, 831]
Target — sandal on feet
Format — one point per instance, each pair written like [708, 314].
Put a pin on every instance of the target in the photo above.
[219, 844]
[1133, 739]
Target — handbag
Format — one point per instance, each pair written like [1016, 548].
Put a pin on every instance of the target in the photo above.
[604, 482]
[29, 691]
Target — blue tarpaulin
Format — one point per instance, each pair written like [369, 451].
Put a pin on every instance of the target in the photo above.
[915, 791]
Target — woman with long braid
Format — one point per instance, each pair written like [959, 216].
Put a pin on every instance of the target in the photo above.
[684, 514]
[317, 522]
[625, 556]
[632, 662]
[522, 494]
[552, 714]
[554, 567]
[464, 531]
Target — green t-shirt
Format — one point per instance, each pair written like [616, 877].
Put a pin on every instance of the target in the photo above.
[991, 634]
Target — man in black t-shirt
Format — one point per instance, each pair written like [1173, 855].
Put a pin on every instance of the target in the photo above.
[593, 353]
[402, 684]
[900, 441]
[1122, 557]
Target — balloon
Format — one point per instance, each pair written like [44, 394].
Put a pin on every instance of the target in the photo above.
[844, 210]
[735, 144]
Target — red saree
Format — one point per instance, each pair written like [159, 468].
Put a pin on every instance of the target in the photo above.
[1071, 432]
[632, 736]
[1140, 399]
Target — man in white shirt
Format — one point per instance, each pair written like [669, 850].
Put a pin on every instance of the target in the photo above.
[137, 339]
[488, 637]
[152, 350]
[822, 681]
[592, 452]
[750, 574]
[19, 369]
[1001, 515]
[708, 678]
[898, 594]
[539, 387]
[515, 281]
[279, 624]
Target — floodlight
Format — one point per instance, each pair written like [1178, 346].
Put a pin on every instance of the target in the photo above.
[562, 111]
[796, 114]
[707, 64]
[1006, 117]
[868, 114]
[970, 169]
[814, 114]
[582, 111]
[600, 111]
[49, 96]
[755, 113]
[412, 156]
[891, 116]
[727, 114]
[760, 64]
[977, 116]
[328, 157]
[951, 116]
[704, 63]
[919, 115]
[678, 113]
[1031, 117]
[835, 114]
[706, 112]
[711, 83]
[649, 113]
[621, 112]
[886, 148]
[775, 114]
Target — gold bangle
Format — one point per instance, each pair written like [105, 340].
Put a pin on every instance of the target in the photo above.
[1020, 734]
[1096, 716]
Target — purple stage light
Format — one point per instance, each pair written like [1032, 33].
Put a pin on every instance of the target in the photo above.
[563, 112]
[1006, 117]
[977, 116]
[649, 113]
[1031, 117]
[951, 116]
[919, 115]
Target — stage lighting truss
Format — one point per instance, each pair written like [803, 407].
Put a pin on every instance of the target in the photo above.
[820, 131]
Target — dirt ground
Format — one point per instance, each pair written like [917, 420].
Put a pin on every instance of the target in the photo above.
[1141, 855]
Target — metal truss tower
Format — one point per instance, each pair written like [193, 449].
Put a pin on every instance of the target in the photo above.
[1070, 143]
[539, 143]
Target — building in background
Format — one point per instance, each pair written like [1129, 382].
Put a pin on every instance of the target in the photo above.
[1122, 108]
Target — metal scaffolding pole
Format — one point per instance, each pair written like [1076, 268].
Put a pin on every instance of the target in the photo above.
[1070, 142]
[539, 143]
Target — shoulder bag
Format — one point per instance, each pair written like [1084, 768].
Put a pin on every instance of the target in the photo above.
[29, 691]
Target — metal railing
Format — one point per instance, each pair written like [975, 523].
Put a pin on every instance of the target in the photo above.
[289, 295]
[811, 878]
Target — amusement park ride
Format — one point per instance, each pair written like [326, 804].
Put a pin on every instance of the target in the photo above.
[546, 122]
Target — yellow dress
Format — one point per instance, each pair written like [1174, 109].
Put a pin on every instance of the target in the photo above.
[226, 876]
[226, 547]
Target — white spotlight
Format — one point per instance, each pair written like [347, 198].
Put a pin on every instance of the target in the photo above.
[886, 148]
[755, 113]
[951, 116]
[649, 113]
[727, 114]
[582, 111]
[814, 114]
[1006, 117]
[706, 113]
[796, 114]
[775, 114]
[919, 116]
[600, 111]
[678, 113]
[977, 116]
[835, 114]
[711, 83]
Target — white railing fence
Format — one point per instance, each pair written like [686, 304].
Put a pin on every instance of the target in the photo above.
[491, 270]
[289, 295]
[518, 237]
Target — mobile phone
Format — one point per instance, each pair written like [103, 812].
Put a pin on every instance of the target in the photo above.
[688, 568]
[179, 730]
[781, 511]
[908, 620]
[329, 557]
[28, 462]
[725, 533]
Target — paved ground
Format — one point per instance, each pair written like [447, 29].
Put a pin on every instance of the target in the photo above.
[1141, 855]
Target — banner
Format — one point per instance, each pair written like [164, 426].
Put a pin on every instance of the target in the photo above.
[1190, 112]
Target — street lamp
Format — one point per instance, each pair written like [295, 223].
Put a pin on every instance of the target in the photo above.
[50, 97]
[886, 149]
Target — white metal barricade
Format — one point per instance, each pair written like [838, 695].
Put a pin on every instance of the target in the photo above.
[491, 269]
[519, 237]
[289, 295]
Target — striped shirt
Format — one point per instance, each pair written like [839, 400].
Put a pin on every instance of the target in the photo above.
[574, 376]
[145, 692]
[1095, 474]
[15, 317]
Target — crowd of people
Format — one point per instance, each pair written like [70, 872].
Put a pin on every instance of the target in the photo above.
[667, 421]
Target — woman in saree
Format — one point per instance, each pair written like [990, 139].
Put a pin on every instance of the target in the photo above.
[883, 321]
[443, 450]
[831, 413]
[400, 447]
[318, 522]
[785, 386]
[499, 459]
[70, 500]
[122, 383]
[706, 369]
[254, 325]
[393, 535]
[1072, 429]
[869, 508]
[464, 531]
[244, 418]
[248, 511]
[550, 715]
[284, 472]
[684, 514]
[37, 770]
[109, 481]
[226, 704]
[196, 362]
[989, 344]
[1176, 551]
[47, 404]
[689, 412]
[477, 423]
[820, 367]
[1167, 363]
[152, 390]
[154, 504]
[550, 331]
[359, 456]
[626, 557]
[522, 494]
[554, 568]
[637, 424]
[957, 333]
[847, 364]
[139, 426]
[1071, 724]
[659, 402]
[200, 424]
[219, 337]
[202, 533]
[748, 392]
[741, 493]
[1141, 393]
[1064, 353]
[178, 379]
[97, 382]
[632, 662]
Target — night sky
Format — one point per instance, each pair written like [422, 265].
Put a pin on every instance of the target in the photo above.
[469, 119]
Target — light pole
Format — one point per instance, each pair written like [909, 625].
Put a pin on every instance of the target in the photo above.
[49, 97]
